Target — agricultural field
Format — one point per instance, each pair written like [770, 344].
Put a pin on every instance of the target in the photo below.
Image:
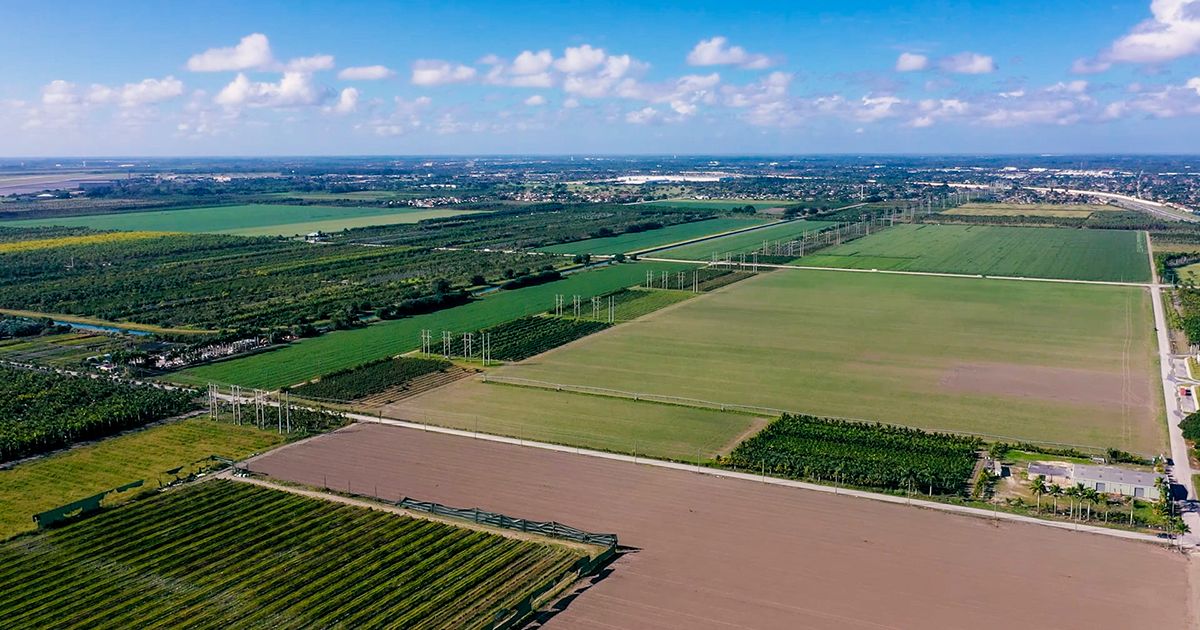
[527, 336]
[369, 378]
[1072, 254]
[626, 243]
[745, 242]
[310, 358]
[1055, 210]
[209, 281]
[40, 412]
[301, 563]
[247, 219]
[14, 246]
[58, 479]
[1041, 362]
[64, 350]
[597, 422]
[630, 304]
[872, 455]
[723, 205]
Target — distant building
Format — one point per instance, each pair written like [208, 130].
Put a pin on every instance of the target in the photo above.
[1060, 475]
[1109, 479]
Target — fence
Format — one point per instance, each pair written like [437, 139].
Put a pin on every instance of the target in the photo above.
[483, 517]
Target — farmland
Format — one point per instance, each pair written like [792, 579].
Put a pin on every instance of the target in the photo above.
[247, 219]
[626, 243]
[65, 350]
[724, 204]
[1071, 254]
[524, 337]
[343, 349]
[300, 562]
[44, 411]
[629, 304]
[745, 242]
[58, 479]
[597, 422]
[1067, 211]
[1036, 361]
[369, 378]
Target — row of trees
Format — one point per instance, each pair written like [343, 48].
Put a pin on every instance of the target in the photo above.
[1080, 496]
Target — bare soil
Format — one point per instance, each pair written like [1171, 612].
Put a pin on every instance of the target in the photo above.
[1066, 385]
[724, 553]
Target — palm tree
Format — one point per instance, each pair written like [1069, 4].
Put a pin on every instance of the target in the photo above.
[1071, 492]
[1055, 491]
[1081, 494]
[1102, 499]
[1092, 497]
[1038, 486]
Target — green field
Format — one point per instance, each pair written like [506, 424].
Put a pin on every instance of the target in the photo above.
[312, 357]
[626, 243]
[1043, 362]
[745, 242]
[226, 554]
[1112, 255]
[723, 204]
[247, 219]
[596, 422]
[49, 482]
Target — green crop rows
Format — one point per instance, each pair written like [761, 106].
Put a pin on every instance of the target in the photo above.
[633, 303]
[745, 242]
[625, 243]
[299, 562]
[338, 350]
[527, 336]
[875, 455]
[40, 412]
[369, 378]
[1073, 254]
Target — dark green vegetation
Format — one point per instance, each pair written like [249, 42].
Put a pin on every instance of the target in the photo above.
[522, 338]
[1108, 255]
[11, 327]
[40, 412]
[633, 303]
[299, 563]
[641, 239]
[212, 281]
[369, 378]
[860, 454]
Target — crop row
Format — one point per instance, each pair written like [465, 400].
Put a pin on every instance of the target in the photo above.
[527, 336]
[40, 412]
[300, 562]
[861, 454]
[370, 378]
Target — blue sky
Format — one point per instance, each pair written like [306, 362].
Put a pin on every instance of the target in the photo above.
[270, 78]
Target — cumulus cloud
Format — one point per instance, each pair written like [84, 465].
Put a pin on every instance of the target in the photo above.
[406, 115]
[580, 59]
[911, 62]
[59, 92]
[1172, 32]
[968, 63]
[311, 64]
[643, 116]
[252, 53]
[717, 52]
[366, 73]
[529, 62]
[347, 102]
[436, 72]
[144, 92]
[294, 89]
[536, 100]
[527, 69]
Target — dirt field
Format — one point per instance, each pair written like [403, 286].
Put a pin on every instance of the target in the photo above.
[722, 553]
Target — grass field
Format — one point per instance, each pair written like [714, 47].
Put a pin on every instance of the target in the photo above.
[609, 424]
[45, 483]
[299, 562]
[246, 220]
[309, 358]
[626, 243]
[1043, 362]
[1080, 211]
[746, 242]
[1113, 255]
[723, 204]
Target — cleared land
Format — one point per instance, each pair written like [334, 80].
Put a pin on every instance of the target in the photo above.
[312, 357]
[1037, 361]
[607, 424]
[300, 562]
[1071, 254]
[246, 219]
[723, 204]
[726, 553]
[744, 243]
[625, 243]
[58, 479]
[1078, 211]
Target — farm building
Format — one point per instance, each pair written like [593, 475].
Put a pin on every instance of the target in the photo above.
[1053, 473]
[1109, 479]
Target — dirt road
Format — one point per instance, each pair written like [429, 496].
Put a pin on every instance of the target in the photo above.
[729, 553]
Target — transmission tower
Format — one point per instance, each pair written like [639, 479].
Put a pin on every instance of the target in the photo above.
[575, 304]
[447, 340]
[596, 308]
[558, 305]
[468, 343]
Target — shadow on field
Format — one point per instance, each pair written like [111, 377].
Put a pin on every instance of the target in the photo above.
[580, 588]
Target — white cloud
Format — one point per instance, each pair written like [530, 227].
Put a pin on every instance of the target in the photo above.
[437, 72]
[529, 62]
[406, 116]
[252, 53]
[1172, 32]
[59, 92]
[1070, 87]
[347, 102]
[536, 100]
[1089, 66]
[366, 73]
[294, 89]
[580, 59]
[144, 92]
[643, 116]
[968, 63]
[911, 62]
[311, 64]
[717, 52]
